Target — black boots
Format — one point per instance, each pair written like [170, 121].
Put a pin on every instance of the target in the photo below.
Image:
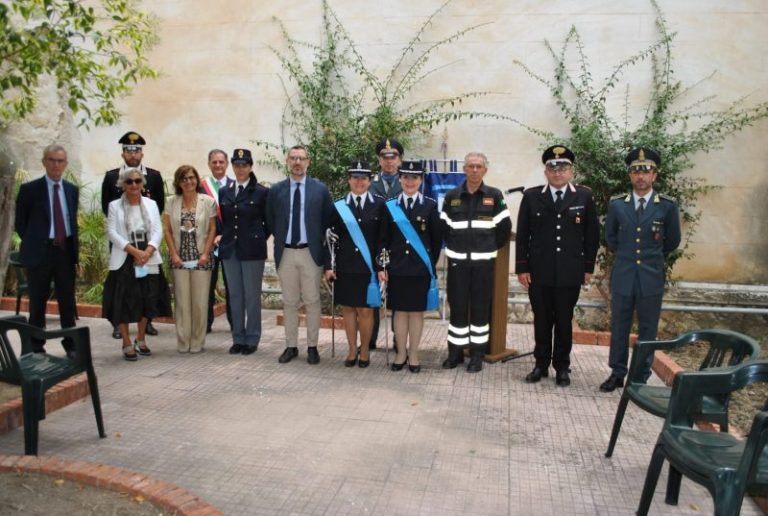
[455, 356]
[476, 358]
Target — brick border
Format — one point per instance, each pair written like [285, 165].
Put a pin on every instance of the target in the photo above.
[167, 496]
[59, 396]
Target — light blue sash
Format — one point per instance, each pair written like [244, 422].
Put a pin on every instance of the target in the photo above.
[373, 297]
[405, 227]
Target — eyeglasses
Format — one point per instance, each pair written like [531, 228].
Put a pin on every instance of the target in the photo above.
[297, 158]
[557, 167]
[188, 178]
[130, 181]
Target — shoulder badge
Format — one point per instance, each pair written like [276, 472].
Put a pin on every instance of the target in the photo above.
[617, 197]
[668, 198]
[585, 187]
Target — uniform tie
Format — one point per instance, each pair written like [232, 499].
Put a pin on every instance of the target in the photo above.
[559, 200]
[296, 216]
[359, 206]
[410, 204]
[641, 206]
[239, 189]
[59, 231]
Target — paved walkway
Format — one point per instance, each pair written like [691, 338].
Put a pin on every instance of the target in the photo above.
[252, 436]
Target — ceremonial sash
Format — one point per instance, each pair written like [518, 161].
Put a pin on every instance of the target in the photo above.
[211, 187]
[405, 227]
[373, 297]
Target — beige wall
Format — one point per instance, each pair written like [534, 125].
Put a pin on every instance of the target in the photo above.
[221, 87]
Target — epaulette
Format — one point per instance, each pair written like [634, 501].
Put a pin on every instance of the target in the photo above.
[428, 197]
[585, 187]
[534, 189]
[618, 196]
[667, 197]
[377, 195]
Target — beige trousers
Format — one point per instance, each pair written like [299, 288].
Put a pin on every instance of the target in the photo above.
[190, 289]
[300, 281]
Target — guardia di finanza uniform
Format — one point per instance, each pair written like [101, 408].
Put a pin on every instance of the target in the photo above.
[641, 244]
[476, 225]
[557, 245]
[352, 273]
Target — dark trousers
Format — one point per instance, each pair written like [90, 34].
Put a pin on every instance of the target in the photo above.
[470, 290]
[57, 266]
[212, 292]
[648, 310]
[553, 310]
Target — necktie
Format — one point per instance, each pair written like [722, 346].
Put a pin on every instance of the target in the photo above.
[296, 216]
[59, 231]
[410, 204]
[559, 200]
[239, 189]
[359, 206]
[641, 207]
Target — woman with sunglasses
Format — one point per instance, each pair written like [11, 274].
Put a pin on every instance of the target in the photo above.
[135, 289]
[189, 225]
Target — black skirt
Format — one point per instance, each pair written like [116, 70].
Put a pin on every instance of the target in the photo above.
[407, 293]
[127, 298]
[352, 289]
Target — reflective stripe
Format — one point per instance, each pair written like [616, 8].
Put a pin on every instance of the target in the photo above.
[481, 256]
[501, 216]
[483, 224]
[478, 329]
[459, 224]
[455, 255]
[458, 331]
[477, 340]
[458, 341]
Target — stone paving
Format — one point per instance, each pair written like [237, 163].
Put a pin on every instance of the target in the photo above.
[255, 437]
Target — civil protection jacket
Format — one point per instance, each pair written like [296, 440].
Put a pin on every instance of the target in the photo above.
[475, 226]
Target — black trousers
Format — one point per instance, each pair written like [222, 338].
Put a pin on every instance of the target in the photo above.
[553, 310]
[470, 291]
[57, 266]
[212, 291]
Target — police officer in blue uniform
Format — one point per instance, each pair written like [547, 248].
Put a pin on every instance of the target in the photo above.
[641, 228]
[556, 245]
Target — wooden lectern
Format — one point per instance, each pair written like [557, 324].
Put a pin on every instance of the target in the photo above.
[498, 341]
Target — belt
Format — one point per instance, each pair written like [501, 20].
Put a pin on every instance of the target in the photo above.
[297, 246]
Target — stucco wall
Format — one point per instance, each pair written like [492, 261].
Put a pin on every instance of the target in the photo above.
[221, 87]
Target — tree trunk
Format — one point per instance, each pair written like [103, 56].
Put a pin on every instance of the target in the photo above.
[7, 203]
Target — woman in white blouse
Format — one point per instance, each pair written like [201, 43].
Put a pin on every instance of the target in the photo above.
[135, 290]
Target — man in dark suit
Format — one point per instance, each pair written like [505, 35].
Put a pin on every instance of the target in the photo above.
[641, 228]
[299, 210]
[556, 245]
[217, 163]
[46, 221]
[154, 186]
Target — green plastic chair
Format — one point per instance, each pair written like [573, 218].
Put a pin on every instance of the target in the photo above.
[21, 278]
[726, 348]
[728, 467]
[38, 372]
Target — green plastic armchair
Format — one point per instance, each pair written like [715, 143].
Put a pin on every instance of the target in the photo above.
[726, 348]
[727, 466]
[38, 372]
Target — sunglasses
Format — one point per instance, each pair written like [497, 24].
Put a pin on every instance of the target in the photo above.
[130, 182]
[188, 178]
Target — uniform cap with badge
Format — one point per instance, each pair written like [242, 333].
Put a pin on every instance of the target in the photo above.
[389, 147]
[557, 155]
[642, 159]
[241, 157]
[359, 169]
[132, 141]
[412, 168]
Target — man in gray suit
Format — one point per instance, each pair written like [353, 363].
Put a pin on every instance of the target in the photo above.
[299, 210]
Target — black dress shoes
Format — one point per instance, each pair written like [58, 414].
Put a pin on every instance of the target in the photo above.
[150, 330]
[350, 362]
[397, 367]
[116, 333]
[248, 350]
[414, 368]
[611, 383]
[537, 374]
[313, 357]
[236, 349]
[288, 355]
[562, 379]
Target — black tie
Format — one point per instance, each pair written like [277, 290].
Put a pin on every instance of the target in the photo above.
[410, 204]
[59, 231]
[239, 190]
[641, 206]
[358, 200]
[296, 216]
[559, 200]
